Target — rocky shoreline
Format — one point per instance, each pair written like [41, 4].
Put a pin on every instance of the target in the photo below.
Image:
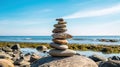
[15, 58]
[81, 47]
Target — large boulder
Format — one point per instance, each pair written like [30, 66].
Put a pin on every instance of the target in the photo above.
[6, 63]
[73, 61]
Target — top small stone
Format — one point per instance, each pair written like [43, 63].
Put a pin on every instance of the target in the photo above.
[60, 19]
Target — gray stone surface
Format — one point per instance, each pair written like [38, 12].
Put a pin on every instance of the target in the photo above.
[67, 52]
[60, 41]
[6, 63]
[59, 46]
[59, 30]
[110, 63]
[60, 25]
[73, 61]
[97, 58]
[41, 48]
[62, 22]
[7, 49]
[61, 35]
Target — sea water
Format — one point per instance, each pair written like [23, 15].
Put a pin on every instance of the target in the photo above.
[75, 39]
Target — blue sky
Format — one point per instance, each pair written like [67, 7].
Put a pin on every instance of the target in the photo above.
[37, 17]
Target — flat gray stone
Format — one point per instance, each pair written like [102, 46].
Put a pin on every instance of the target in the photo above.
[58, 46]
[67, 52]
[60, 41]
[59, 30]
[62, 35]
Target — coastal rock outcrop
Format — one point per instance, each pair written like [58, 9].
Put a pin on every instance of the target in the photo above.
[97, 58]
[11, 56]
[110, 63]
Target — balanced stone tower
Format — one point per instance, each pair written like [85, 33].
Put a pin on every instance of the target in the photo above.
[59, 44]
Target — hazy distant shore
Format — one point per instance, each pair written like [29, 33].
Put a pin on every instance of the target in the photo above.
[82, 47]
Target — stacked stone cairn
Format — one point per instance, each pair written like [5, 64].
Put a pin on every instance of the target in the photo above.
[59, 44]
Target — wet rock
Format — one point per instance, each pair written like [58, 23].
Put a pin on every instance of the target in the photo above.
[16, 47]
[115, 58]
[110, 63]
[108, 40]
[41, 48]
[97, 58]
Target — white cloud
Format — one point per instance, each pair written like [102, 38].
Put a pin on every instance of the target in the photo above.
[92, 13]
[109, 28]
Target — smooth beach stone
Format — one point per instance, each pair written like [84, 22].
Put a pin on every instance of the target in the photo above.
[67, 52]
[60, 25]
[58, 46]
[72, 61]
[6, 63]
[60, 19]
[61, 22]
[59, 30]
[21, 62]
[7, 49]
[5, 56]
[41, 48]
[97, 58]
[60, 41]
[15, 47]
[34, 57]
[62, 35]
[27, 57]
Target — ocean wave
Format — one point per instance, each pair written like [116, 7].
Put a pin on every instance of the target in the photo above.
[27, 39]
